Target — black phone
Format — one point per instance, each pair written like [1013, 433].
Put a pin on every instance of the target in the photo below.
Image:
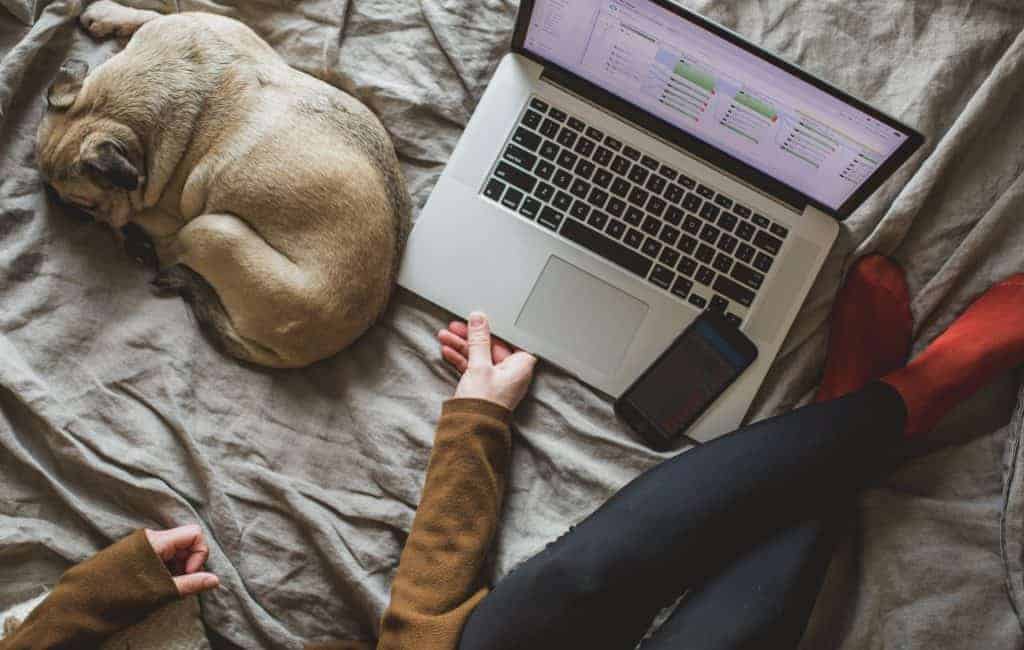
[686, 379]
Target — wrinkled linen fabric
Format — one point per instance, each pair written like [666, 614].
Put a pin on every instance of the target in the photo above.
[115, 412]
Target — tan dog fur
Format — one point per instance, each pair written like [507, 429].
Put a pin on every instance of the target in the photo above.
[274, 200]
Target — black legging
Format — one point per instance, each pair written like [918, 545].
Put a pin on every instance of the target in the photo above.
[735, 521]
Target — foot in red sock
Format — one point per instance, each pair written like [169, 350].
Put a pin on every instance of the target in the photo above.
[986, 340]
[871, 327]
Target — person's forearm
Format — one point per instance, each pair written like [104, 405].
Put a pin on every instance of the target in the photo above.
[438, 580]
[115, 588]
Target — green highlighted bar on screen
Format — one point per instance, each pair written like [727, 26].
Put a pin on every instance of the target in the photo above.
[804, 158]
[745, 135]
[868, 158]
[756, 105]
[695, 76]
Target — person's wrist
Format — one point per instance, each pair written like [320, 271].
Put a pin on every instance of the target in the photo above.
[477, 406]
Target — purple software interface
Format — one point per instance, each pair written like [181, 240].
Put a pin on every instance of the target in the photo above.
[716, 91]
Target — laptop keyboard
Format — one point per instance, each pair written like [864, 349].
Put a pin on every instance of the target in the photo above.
[684, 237]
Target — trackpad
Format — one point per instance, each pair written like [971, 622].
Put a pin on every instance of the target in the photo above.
[582, 314]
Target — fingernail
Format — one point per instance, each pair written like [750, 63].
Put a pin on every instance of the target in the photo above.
[211, 582]
[476, 319]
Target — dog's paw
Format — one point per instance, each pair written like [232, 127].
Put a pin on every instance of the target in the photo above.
[104, 19]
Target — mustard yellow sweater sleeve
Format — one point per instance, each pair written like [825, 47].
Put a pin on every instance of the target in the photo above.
[115, 588]
[438, 580]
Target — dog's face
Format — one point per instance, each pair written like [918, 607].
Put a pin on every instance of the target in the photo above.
[92, 162]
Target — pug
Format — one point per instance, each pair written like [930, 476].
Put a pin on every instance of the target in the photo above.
[274, 201]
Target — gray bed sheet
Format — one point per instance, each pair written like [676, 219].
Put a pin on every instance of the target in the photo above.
[115, 413]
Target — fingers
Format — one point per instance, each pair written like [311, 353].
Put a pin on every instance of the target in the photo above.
[184, 547]
[479, 340]
[457, 343]
[454, 358]
[195, 583]
[457, 333]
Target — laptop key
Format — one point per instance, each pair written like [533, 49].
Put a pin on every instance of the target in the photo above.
[669, 173]
[544, 170]
[686, 182]
[698, 302]
[549, 150]
[562, 201]
[722, 263]
[745, 231]
[585, 168]
[567, 159]
[620, 187]
[615, 228]
[674, 193]
[603, 178]
[705, 253]
[674, 215]
[634, 238]
[585, 147]
[742, 210]
[580, 210]
[566, 137]
[682, 287]
[631, 153]
[594, 134]
[766, 242]
[638, 197]
[710, 211]
[692, 202]
[709, 233]
[576, 124]
[734, 291]
[532, 119]
[656, 206]
[761, 220]
[705, 191]
[734, 319]
[557, 115]
[692, 225]
[669, 256]
[612, 143]
[512, 199]
[669, 235]
[651, 247]
[607, 248]
[528, 139]
[544, 191]
[549, 128]
[598, 197]
[656, 184]
[494, 189]
[580, 188]
[779, 231]
[723, 201]
[705, 275]
[662, 277]
[603, 156]
[727, 243]
[638, 174]
[562, 178]
[598, 219]
[718, 303]
[763, 263]
[651, 226]
[687, 244]
[620, 166]
[550, 218]
[687, 266]
[521, 157]
[615, 207]
[538, 104]
[649, 163]
[531, 208]
[516, 177]
[727, 221]
[747, 276]
[634, 216]
[745, 252]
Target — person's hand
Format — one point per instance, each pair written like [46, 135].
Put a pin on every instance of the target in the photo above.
[184, 551]
[491, 369]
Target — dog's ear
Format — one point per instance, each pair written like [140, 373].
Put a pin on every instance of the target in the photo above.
[108, 166]
[65, 87]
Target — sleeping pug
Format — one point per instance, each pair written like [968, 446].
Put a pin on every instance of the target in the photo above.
[274, 201]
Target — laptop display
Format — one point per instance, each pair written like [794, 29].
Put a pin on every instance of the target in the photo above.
[743, 104]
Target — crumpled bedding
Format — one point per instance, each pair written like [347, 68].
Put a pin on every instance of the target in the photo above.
[115, 413]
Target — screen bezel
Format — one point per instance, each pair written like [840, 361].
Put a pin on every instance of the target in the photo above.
[709, 152]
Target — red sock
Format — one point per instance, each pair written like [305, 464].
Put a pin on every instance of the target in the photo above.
[986, 340]
[871, 327]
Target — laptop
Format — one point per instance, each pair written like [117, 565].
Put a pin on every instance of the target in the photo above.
[632, 164]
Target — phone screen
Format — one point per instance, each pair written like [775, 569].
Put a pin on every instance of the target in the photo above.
[688, 377]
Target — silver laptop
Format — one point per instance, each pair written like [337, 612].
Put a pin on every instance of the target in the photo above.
[631, 164]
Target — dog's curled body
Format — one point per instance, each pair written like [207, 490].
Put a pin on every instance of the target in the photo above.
[274, 200]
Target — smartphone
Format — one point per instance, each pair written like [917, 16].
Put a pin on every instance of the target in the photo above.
[686, 379]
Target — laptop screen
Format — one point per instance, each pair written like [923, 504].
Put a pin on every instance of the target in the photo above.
[716, 91]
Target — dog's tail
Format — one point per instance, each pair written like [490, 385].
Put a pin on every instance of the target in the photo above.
[209, 312]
